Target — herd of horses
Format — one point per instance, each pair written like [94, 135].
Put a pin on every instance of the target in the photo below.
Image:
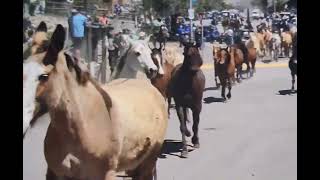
[97, 130]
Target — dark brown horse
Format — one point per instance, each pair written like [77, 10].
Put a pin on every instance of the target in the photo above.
[186, 87]
[293, 61]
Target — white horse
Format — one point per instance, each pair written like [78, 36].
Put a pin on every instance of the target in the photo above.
[135, 61]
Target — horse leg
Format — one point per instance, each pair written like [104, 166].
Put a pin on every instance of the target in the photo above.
[169, 104]
[248, 68]
[195, 126]
[216, 79]
[223, 89]
[52, 176]
[147, 170]
[183, 129]
[110, 175]
[229, 88]
[292, 81]
[216, 75]
[253, 69]
[239, 70]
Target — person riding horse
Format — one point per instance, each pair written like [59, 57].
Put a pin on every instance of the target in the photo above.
[160, 33]
[229, 36]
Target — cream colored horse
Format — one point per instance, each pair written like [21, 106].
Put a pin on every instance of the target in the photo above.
[94, 131]
[257, 42]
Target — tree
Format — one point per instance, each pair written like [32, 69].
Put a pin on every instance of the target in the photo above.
[263, 4]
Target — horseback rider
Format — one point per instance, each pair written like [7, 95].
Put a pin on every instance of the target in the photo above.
[229, 36]
[241, 45]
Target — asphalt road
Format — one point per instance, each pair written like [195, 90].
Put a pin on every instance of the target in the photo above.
[252, 136]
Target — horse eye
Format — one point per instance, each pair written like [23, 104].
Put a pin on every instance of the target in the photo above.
[43, 77]
[138, 53]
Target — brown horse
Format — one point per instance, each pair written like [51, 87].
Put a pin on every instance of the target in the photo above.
[225, 69]
[215, 50]
[161, 80]
[236, 55]
[186, 87]
[252, 58]
[286, 43]
[95, 131]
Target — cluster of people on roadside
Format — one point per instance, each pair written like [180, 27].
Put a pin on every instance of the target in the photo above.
[77, 23]
[34, 6]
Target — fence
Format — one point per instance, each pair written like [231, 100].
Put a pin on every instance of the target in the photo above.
[60, 8]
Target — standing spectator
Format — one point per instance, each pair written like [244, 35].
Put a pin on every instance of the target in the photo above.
[103, 19]
[78, 26]
[229, 36]
[73, 13]
[32, 7]
[42, 6]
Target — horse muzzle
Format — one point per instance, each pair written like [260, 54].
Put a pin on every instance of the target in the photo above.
[151, 73]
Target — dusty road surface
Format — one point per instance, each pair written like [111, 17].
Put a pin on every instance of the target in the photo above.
[252, 136]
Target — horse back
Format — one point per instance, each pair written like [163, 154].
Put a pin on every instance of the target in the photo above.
[141, 111]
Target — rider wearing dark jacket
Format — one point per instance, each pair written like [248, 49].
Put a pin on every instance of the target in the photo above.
[243, 48]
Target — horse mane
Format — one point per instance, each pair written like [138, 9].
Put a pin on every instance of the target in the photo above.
[155, 51]
[122, 61]
[83, 77]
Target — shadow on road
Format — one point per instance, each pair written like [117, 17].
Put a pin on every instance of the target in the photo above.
[210, 88]
[287, 92]
[171, 147]
[211, 99]
[267, 61]
[209, 129]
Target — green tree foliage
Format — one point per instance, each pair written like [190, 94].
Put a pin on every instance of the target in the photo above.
[168, 7]
[262, 4]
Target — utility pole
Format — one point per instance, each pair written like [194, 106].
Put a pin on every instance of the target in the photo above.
[274, 5]
[191, 17]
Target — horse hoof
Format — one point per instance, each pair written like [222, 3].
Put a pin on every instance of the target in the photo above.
[197, 146]
[184, 154]
[195, 142]
[228, 96]
[187, 133]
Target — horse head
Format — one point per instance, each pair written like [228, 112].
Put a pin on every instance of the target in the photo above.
[48, 75]
[192, 58]
[156, 55]
[140, 58]
[223, 55]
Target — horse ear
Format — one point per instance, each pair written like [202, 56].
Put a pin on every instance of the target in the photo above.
[42, 27]
[56, 45]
